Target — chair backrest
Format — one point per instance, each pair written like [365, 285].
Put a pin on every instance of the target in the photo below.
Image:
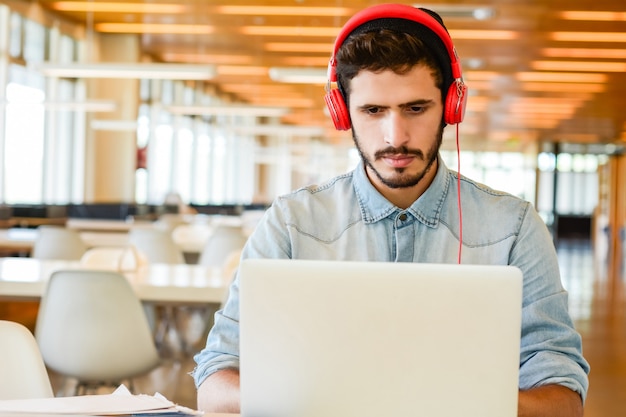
[23, 374]
[58, 242]
[113, 258]
[91, 326]
[156, 245]
[224, 240]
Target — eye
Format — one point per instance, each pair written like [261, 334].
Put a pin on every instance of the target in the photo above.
[372, 110]
[416, 109]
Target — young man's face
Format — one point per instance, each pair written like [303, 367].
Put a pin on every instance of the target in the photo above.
[397, 127]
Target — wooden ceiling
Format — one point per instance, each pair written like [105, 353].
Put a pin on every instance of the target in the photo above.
[538, 71]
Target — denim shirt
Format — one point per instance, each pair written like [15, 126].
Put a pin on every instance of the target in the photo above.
[348, 219]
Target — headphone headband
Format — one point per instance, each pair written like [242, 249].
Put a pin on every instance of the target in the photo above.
[422, 23]
[395, 11]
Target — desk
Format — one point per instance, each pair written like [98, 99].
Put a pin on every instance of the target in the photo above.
[183, 284]
[21, 240]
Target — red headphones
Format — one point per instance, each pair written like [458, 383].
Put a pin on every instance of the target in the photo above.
[456, 96]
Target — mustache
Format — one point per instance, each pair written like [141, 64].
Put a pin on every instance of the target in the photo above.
[402, 150]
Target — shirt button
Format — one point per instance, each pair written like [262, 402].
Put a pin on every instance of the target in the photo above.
[402, 217]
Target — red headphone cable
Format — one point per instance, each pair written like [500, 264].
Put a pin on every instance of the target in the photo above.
[458, 191]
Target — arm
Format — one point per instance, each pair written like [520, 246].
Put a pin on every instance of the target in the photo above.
[219, 393]
[549, 401]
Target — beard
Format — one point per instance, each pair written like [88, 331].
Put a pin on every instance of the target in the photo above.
[401, 177]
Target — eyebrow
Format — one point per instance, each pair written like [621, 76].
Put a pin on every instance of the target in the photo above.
[419, 102]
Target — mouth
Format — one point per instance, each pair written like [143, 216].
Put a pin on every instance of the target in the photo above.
[398, 160]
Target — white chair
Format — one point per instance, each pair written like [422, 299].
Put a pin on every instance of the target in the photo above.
[224, 240]
[156, 245]
[113, 258]
[91, 327]
[58, 242]
[23, 374]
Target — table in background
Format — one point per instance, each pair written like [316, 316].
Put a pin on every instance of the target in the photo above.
[180, 284]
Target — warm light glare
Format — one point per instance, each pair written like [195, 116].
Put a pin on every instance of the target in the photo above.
[305, 61]
[579, 66]
[241, 70]
[584, 53]
[562, 77]
[325, 48]
[127, 70]
[117, 7]
[592, 15]
[289, 31]
[155, 28]
[494, 35]
[563, 87]
[207, 58]
[588, 36]
[251, 10]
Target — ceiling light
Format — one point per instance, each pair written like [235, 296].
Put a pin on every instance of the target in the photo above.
[592, 15]
[241, 70]
[562, 77]
[598, 53]
[585, 66]
[206, 58]
[289, 31]
[84, 106]
[325, 48]
[563, 87]
[588, 36]
[228, 110]
[278, 130]
[127, 70]
[154, 28]
[117, 7]
[305, 61]
[491, 35]
[299, 75]
[251, 10]
[454, 11]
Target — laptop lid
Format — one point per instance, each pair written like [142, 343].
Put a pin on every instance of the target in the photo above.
[344, 338]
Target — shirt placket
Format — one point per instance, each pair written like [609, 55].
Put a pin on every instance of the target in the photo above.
[405, 237]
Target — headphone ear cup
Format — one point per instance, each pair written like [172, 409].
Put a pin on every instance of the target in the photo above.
[456, 100]
[338, 110]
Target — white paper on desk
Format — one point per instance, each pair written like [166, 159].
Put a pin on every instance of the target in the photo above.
[120, 402]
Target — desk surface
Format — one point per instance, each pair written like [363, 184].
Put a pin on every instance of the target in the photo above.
[26, 278]
[22, 239]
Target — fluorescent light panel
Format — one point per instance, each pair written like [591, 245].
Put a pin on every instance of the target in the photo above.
[279, 130]
[206, 58]
[228, 110]
[285, 10]
[452, 11]
[154, 28]
[584, 66]
[117, 7]
[128, 71]
[78, 106]
[591, 53]
[603, 16]
[290, 31]
[562, 77]
[299, 75]
[588, 36]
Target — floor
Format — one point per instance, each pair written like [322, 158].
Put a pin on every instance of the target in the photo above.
[597, 304]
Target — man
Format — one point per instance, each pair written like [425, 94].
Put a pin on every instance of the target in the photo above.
[399, 85]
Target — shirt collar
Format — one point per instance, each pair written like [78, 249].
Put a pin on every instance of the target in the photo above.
[427, 208]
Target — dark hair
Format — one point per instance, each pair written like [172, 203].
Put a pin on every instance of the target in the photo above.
[381, 50]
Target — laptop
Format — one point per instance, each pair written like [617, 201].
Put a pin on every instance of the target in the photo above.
[371, 339]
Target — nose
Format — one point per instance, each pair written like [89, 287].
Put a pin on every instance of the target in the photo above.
[396, 130]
